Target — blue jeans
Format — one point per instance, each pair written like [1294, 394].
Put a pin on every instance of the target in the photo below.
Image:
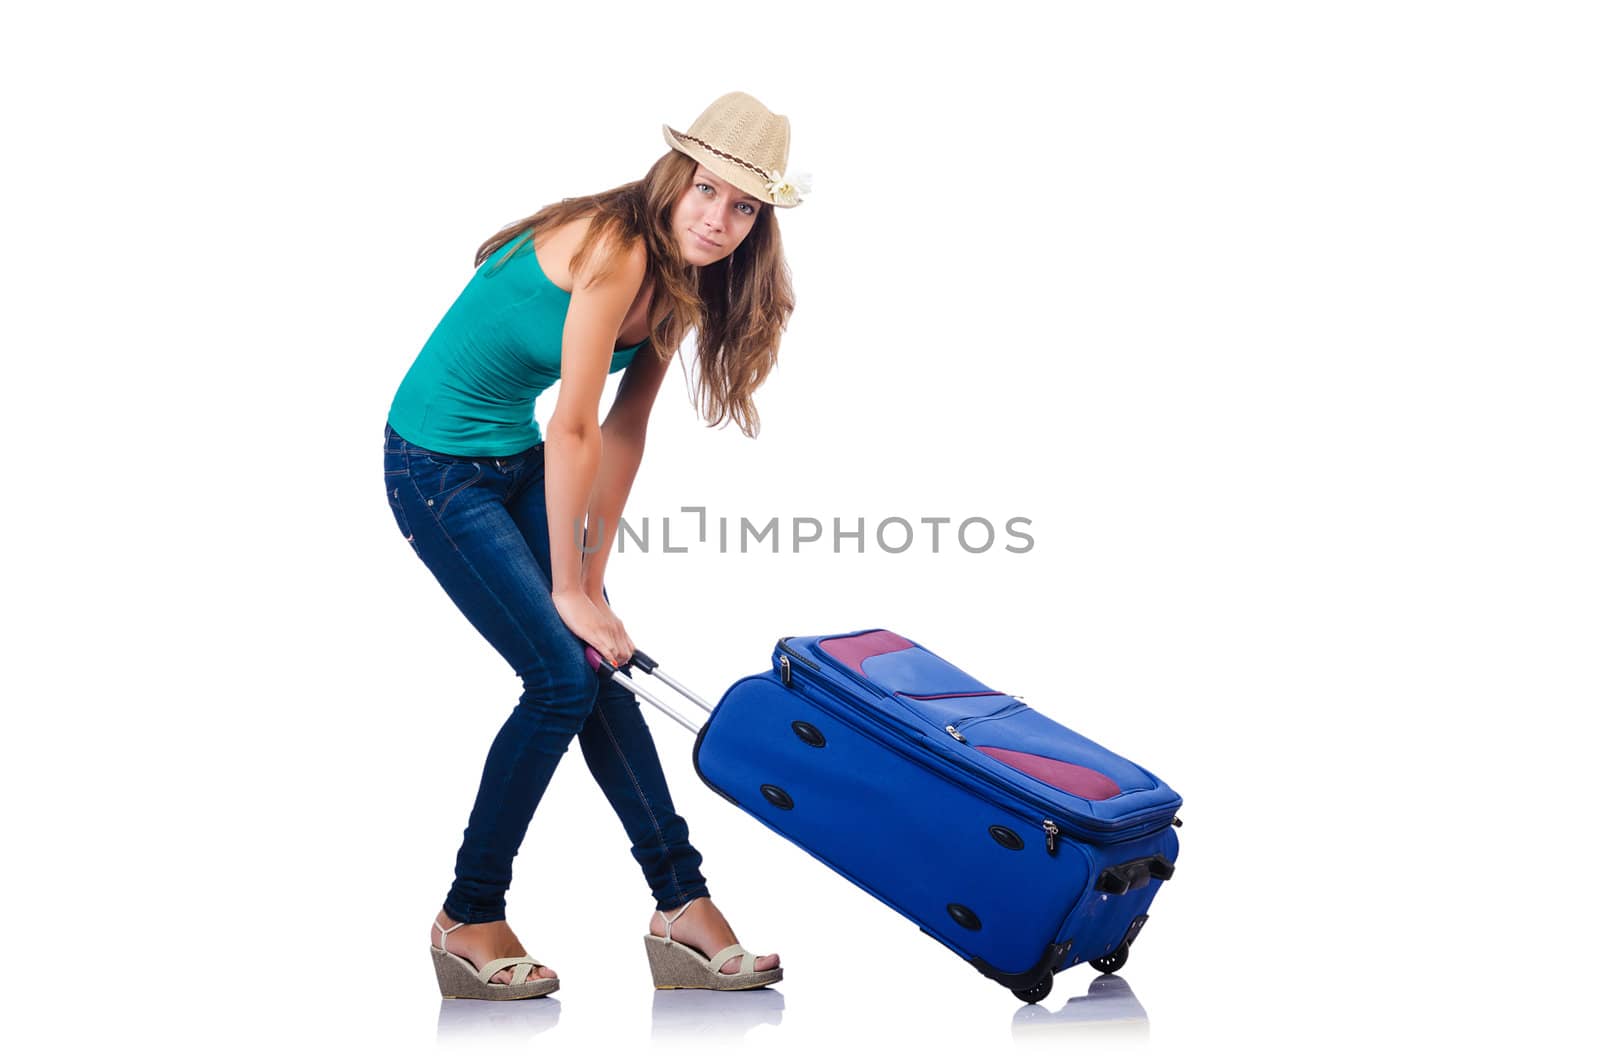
[479, 524]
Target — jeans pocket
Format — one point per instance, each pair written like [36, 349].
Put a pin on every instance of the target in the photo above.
[440, 478]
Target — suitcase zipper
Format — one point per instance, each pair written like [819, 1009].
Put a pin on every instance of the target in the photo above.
[835, 668]
[1134, 829]
[963, 725]
[784, 645]
[1051, 833]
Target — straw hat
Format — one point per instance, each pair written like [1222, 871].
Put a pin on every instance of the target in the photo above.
[746, 145]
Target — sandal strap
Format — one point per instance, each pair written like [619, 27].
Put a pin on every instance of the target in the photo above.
[747, 959]
[443, 931]
[670, 920]
[488, 971]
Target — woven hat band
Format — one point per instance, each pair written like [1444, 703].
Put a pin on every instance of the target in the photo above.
[723, 154]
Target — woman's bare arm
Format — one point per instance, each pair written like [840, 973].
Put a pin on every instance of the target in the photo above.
[573, 441]
[623, 436]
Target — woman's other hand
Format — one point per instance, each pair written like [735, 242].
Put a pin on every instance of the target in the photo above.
[597, 627]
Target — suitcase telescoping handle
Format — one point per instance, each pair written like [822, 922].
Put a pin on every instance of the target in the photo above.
[619, 674]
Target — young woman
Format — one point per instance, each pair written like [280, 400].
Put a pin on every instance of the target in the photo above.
[517, 526]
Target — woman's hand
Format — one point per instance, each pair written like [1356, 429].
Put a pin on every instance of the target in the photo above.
[604, 608]
[597, 627]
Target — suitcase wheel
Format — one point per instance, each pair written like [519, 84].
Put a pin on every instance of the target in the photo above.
[1111, 961]
[1037, 992]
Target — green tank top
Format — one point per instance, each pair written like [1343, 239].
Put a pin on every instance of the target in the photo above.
[470, 392]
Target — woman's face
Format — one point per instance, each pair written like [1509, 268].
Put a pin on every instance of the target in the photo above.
[712, 218]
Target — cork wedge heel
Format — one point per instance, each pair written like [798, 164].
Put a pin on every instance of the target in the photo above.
[459, 979]
[675, 966]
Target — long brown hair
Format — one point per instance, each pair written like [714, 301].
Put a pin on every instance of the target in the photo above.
[738, 306]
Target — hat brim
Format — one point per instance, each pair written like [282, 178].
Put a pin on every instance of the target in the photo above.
[746, 180]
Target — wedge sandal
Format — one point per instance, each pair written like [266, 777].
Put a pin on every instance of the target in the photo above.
[459, 979]
[675, 966]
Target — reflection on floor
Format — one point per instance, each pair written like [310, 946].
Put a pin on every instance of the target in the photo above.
[1109, 1009]
[500, 1022]
[725, 1015]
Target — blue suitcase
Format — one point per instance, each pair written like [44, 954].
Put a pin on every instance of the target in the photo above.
[1017, 843]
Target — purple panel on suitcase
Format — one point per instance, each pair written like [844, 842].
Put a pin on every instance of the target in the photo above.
[853, 651]
[1081, 781]
[895, 664]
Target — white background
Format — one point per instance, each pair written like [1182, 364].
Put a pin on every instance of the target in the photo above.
[1277, 320]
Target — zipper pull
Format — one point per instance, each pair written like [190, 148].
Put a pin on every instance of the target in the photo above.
[1050, 834]
[783, 670]
[953, 731]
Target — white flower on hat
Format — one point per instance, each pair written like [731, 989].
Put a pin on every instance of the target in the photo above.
[786, 191]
